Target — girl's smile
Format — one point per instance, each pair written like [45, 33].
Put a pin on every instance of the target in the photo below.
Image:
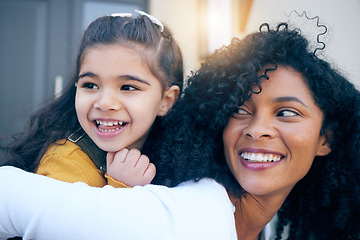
[270, 142]
[109, 128]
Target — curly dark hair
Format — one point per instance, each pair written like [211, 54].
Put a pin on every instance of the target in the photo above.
[57, 119]
[325, 203]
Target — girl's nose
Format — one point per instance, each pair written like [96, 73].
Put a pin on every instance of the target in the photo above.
[107, 101]
[260, 128]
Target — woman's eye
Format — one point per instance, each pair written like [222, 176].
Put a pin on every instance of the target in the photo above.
[128, 88]
[287, 113]
[241, 111]
[89, 85]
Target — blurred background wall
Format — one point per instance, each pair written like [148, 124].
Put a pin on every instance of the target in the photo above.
[186, 18]
[39, 38]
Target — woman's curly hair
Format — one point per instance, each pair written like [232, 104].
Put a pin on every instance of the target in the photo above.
[325, 203]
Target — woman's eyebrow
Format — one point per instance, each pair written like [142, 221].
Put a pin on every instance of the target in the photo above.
[289, 99]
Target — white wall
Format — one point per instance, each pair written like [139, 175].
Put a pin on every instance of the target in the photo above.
[341, 17]
[182, 18]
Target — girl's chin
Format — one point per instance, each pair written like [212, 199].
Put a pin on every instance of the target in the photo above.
[105, 147]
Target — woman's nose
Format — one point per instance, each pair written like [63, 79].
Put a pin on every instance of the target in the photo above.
[107, 101]
[260, 128]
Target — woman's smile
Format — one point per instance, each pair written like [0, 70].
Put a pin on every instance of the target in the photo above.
[260, 157]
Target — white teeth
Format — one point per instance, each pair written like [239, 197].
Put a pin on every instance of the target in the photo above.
[109, 123]
[109, 130]
[260, 157]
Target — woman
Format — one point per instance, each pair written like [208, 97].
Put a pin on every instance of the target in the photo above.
[293, 141]
[289, 126]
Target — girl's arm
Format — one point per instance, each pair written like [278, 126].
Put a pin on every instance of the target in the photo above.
[37, 207]
[66, 161]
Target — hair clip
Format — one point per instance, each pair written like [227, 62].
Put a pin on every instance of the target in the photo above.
[142, 13]
[152, 18]
[121, 15]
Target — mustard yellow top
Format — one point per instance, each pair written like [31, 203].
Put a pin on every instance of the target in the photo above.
[66, 161]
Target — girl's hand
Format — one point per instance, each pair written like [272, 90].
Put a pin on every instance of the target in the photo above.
[130, 167]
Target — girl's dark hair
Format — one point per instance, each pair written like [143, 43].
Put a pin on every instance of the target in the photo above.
[325, 203]
[57, 120]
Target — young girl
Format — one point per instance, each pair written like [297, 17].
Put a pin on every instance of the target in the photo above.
[128, 75]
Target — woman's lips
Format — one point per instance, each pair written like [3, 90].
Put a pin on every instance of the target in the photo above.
[257, 161]
[260, 157]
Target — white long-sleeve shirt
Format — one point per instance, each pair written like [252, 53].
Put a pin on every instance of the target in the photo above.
[37, 207]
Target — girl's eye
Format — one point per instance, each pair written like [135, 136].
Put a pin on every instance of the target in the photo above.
[287, 113]
[128, 88]
[90, 85]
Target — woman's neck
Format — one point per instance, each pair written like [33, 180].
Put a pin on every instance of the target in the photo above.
[252, 213]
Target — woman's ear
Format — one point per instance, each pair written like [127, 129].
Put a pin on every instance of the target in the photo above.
[324, 149]
[169, 99]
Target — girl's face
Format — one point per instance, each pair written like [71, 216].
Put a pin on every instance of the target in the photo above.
[270, 142]
[118, 98]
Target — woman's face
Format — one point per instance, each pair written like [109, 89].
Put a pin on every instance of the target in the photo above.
[270, 142]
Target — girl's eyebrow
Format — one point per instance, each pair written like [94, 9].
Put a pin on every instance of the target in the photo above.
[289, 99]
[125, 77]
[87, 74]
[131, 77]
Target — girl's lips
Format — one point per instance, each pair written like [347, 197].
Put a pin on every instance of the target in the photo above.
[109, 123]
[108, 129]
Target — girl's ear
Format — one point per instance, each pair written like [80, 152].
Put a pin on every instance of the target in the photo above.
[169, 99]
